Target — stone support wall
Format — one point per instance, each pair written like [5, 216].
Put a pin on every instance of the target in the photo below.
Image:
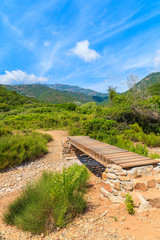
[117, 181]
[69, 151]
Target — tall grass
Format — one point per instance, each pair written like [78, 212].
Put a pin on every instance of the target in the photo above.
[16, 149]
[50, 202]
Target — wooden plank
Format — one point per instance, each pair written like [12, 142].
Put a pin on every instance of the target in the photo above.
[127, 157]
[123, 154]
[118, 161]
[135, 164]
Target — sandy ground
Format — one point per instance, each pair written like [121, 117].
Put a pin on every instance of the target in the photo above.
[101, 220]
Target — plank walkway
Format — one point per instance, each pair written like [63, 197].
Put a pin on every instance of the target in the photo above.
[109, 154]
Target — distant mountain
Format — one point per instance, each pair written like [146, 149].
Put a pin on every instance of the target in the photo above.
[50, 95]
[149, 80]
[70, 88]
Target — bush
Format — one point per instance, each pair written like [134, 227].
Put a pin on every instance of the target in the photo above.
[129, 204]
[50, 202]
[4, 131]
[16, 149]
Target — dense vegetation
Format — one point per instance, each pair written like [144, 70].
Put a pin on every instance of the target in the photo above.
[51, 202]
[150, 80]
[17, 149]
[11, 100]
[130, 121]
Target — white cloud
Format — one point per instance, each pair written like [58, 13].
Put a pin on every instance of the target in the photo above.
[47, 44]
[20, 77]
[83, 51]
[157, 59]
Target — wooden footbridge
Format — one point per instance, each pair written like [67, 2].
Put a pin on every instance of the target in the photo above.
[108, 154]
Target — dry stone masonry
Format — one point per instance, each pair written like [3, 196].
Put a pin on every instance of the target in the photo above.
[116, 181]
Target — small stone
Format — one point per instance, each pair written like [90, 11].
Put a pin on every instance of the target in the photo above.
[140, 186]
[123, 178]
[109, 165]
[121, 173]
[123, 218]
[104, 192]
[112, 176]
[127, 186]
[151, 183]
[117, 186]
[115, 193]
[116, 167]
[104, 176]
[123, 194]
[106, 170]
[135, 174]
[107, 186]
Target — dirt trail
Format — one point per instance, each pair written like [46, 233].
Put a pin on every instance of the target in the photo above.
[101, 220]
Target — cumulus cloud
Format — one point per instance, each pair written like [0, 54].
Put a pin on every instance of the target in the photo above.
[83, 51]
[20, 77]
[157, 59]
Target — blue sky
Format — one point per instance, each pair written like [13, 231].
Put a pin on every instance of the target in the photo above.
[92, 44]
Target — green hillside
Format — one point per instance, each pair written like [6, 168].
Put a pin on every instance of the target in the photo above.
[47, 94]
[149, 80]
[10, 99]
[69, 88]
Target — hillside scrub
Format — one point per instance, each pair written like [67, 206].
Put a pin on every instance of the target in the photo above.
[52, 201]
[18, 149]
[132, 116]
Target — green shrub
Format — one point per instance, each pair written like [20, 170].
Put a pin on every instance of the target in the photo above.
[67, 193]
[33, 209]
[50, 202]
[129, 204]
[154, 155]
[4, 131]
[17, 149]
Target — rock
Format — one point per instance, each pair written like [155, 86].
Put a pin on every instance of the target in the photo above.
[121, 173]
[140, 186]
[115, 193]
[106, 170]
[111, 176]
[123, 194]
[104, 176]
[158, 180]
[104, 192]
[124, 178]
[107, 186]
[151, 183]
[117, 186]
[153, 198]
[127, 186]
[116, 167]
